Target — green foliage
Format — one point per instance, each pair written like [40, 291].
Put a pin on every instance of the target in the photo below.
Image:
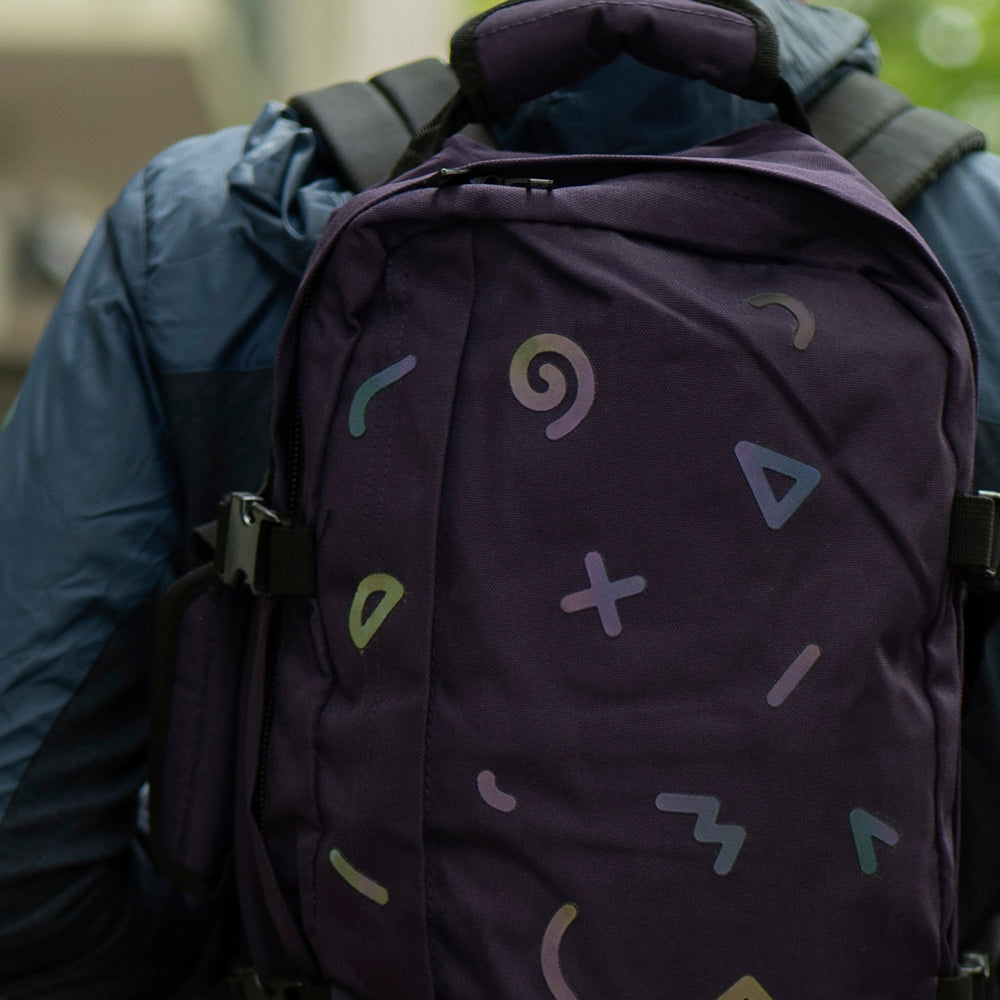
[943, 53]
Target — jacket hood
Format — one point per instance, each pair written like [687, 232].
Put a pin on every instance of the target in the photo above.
[630, 108]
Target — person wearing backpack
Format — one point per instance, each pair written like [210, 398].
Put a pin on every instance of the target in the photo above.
[149, 398]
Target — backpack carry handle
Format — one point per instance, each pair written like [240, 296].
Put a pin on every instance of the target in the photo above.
[523, 49]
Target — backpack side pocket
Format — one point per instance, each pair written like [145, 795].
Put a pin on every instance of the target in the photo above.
[197, 663]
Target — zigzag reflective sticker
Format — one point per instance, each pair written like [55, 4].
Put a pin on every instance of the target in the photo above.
[754, 459]
[728, 836]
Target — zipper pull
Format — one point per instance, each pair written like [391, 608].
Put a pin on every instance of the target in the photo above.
[451, 176]
[448, 176]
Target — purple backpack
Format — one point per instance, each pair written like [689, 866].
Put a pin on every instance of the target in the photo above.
[600, 641]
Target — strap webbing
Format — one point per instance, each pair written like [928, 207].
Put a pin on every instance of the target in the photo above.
[361, 131]
[900, 148]
[365, 127]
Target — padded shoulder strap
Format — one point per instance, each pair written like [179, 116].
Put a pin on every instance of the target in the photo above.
[900, 148]
[365, 127]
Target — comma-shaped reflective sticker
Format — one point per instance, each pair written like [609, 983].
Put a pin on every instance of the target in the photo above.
[805, 323]
[557, 985]
[360, 883]
[493, 796]
[363, 629]
[373, 386]
[555, 393]
[866, 829]
[746, 989]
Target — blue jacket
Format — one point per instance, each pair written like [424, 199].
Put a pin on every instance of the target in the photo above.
[148, 398]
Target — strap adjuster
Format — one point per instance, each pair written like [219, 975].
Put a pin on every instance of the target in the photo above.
[258, 547]
[974, 542]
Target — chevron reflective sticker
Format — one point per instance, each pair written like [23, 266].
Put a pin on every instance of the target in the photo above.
[746, 989]
[755, 461]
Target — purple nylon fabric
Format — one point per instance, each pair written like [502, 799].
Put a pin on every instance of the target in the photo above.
[654, 690]
[193, 819]
[533, 48]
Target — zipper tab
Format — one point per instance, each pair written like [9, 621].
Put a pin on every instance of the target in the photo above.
[448, 176]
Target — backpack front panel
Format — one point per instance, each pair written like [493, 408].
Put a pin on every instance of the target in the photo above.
[641, 655]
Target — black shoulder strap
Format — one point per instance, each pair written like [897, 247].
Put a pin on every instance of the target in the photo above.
[365, 127]
[902, 149]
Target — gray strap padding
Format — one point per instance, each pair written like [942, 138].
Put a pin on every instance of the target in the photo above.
[365, 127]
[900, 148]
[418, 90]
[361, 131]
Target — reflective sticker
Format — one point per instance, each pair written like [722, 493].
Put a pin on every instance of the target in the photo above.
[706, 830]
[754, 460]
[603, 594]
[551, 942]
[360, 883]
[556, 391]
[866, 829]
[367, 390]
[363, 631]
[805, 323]
[491, 795]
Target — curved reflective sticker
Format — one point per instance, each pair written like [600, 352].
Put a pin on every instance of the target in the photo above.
[805, 323]
[370, 388]
[706, 830]
[360, 883]
[493, 796]
[556, 386]
[866, 829]
[557, 985]
[746, 989]
[363, 630]
[793, 676]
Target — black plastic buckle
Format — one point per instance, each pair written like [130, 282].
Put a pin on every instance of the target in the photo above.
[243, 521]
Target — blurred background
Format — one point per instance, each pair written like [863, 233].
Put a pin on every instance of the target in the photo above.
[91, 89]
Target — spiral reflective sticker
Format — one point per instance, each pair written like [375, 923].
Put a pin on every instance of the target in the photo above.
[363, 629]
[557, 985]
[556, 387]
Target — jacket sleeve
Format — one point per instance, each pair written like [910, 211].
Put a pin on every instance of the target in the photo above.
[86, 539]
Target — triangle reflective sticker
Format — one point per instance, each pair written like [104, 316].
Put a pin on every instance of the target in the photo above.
[755, 460]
